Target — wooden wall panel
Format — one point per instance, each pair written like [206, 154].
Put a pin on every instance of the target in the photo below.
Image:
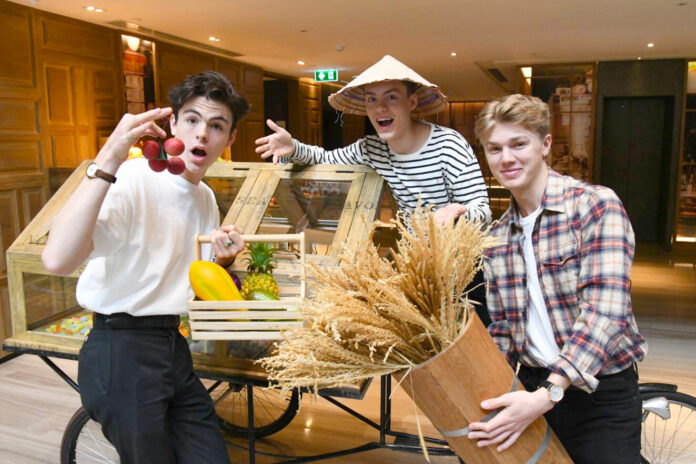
[60, 34]
[33, 198]
[58, 93]
[310, 112]
[174, 64]
[19, 156]
[16, 47]
[353, 128]
[18, 115]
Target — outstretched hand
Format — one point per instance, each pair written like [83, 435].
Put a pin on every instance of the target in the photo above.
[518, 410]
[278, 145]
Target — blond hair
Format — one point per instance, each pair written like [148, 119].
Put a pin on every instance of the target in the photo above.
[524, 110]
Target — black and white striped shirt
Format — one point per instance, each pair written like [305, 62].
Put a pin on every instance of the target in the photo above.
[445, 170]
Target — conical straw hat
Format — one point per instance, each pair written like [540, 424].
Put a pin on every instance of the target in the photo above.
[351, 98]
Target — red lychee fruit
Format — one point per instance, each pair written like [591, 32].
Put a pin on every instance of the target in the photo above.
[174, 146]
[158, 165]
[176, 166]
[151, 149]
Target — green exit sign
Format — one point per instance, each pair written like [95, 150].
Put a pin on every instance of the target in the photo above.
[326, 75]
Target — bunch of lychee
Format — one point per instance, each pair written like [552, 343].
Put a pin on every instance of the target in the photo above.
[156, 152]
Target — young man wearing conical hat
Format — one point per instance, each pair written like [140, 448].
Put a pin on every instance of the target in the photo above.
[414, 157]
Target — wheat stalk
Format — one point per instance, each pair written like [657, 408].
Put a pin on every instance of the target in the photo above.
[369, 316]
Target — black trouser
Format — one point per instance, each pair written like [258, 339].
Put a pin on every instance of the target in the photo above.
[136, 379]
[596, 428]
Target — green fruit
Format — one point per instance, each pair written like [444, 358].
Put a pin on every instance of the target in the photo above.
[261, 295]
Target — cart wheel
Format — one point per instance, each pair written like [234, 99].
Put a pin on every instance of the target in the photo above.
[272, 411]
[83, 442]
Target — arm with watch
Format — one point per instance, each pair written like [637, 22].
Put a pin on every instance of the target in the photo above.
[70, 239]
[517, 411]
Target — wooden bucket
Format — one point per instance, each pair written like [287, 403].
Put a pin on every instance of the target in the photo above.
[450, 387]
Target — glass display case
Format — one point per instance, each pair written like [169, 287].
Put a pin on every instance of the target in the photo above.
[332, 205]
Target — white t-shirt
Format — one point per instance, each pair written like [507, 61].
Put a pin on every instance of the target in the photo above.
[144, 243]
[542, 344]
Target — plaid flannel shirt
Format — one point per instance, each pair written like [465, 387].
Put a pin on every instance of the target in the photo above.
[584, 246]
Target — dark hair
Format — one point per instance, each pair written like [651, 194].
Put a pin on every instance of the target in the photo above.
[411, 87]
[212, 85]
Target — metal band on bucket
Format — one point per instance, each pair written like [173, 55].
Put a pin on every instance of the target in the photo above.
[535, 457]
[465, 431]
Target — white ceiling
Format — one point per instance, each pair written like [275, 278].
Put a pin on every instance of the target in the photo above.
[268, 33]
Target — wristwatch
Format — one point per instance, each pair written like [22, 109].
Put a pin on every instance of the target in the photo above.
[93, 170]
[556, 392]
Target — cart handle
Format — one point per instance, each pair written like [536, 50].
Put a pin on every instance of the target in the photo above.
[272, 238]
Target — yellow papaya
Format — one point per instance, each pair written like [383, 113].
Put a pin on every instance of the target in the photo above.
[211, 282]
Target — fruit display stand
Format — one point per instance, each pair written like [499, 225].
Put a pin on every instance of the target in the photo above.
[254, 320]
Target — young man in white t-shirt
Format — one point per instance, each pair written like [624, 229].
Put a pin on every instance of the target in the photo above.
[135, 229]
[559, 297]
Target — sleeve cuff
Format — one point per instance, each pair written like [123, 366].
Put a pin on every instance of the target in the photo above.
[583, 380]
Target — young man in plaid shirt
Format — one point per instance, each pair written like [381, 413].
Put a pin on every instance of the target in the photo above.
[559, 297]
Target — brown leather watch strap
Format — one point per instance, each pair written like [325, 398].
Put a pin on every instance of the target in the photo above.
[105, 175]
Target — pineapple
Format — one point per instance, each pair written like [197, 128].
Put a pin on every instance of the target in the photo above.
[260, 265]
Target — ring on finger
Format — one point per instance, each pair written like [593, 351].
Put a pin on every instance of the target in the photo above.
[228, 242]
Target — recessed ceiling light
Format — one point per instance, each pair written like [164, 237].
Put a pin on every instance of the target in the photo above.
[640, 57]
[98, 10]
[300, 62]
[453, 54]
[213, 39]
[651, 45]
[89, 8]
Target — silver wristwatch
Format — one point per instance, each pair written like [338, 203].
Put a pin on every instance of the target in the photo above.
[556, 392]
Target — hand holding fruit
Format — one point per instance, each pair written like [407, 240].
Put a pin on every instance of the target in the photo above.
[130, 128]
[156, 152]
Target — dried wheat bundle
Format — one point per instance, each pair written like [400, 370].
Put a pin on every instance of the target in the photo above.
[369, 316]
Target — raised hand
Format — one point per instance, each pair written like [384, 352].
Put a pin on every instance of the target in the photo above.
[129, 129]
[278, 145]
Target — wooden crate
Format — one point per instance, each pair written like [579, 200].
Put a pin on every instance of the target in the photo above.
[251, 320]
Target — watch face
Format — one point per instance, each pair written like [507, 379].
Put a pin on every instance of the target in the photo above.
[556, 393]
[92, 170]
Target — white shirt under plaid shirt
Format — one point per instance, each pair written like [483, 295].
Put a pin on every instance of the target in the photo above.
[584, 246]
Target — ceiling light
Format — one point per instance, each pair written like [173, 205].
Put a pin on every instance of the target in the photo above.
[453, 54]
[213, 39]
[89, 8]
[651, 45]
[98, 10]
[301, 63]
[526, 71]
[640, 57]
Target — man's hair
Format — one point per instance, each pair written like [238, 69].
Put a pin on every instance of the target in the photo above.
[524, 110]
[212, 85]
[411, 87]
